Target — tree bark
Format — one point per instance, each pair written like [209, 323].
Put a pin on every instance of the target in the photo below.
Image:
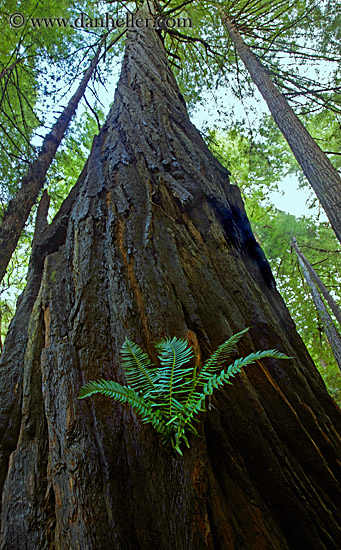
[20, 206]
[317, 168]
[332, 334]
[153, 242]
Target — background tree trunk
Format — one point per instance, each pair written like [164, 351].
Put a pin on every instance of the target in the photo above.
[322, 288]
[20, 206]
[154, 241]
[317, 168]
[329, 328]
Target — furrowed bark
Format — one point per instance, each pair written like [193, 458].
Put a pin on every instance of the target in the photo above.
[13, 354]
[332, 334]
[317, 168]
[20, 206]
[157, 243]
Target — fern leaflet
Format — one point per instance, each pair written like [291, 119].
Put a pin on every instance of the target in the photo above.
[172, 396]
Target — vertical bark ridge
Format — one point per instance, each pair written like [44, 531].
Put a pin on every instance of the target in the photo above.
[33, 497]
[156, 243]
[12, 356]
[129, 264]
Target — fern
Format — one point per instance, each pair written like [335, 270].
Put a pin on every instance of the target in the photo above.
[171, 396]
[217, 359]
[139, 370]
[214, 362]
[128, 396]
[173, 354]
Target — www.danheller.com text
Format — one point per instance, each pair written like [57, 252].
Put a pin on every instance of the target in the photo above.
[129, 20]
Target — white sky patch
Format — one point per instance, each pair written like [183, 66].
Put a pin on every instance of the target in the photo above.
[294, 199]
[290, 198]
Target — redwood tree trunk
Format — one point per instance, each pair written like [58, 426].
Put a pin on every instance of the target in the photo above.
[317, 168]
[154, 241]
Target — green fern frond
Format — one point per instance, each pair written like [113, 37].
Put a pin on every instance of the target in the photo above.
[112, 389]
[174, 351]
[140, 372]
[172, 396]
[252, 358]
[173, 354]
[127, 396]
[196, 401]
[214, 363]
[217, 359]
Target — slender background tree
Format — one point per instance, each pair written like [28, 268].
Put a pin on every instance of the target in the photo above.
[17, 213]
[319, 171]
[315, 287]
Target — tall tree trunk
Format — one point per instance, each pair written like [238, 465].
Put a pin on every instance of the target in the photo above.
[333, 336]
[324, 291]
[20, 206]
[154, 241]
[317, 168]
